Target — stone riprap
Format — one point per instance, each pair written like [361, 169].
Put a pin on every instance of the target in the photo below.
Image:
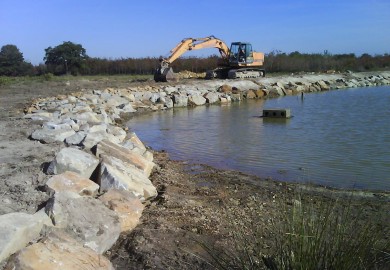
[99, 154]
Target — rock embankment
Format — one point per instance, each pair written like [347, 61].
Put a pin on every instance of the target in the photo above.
[98, 182]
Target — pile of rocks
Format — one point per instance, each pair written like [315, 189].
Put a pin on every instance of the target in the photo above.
[99, 185]
[106, 106]
[100, 177]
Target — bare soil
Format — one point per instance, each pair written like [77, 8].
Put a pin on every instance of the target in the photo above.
[197, 204]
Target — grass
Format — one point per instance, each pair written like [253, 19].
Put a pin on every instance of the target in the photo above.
[331, 234]
[27, 80]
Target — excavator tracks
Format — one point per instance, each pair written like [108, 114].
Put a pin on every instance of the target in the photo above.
[227, 73]
[246, 73]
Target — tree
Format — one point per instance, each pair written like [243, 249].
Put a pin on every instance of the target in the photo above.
[65, 58]
[12, 62]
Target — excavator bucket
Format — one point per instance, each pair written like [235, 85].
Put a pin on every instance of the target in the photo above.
[165, 75]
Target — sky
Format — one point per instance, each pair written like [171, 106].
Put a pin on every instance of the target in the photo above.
[115, 29]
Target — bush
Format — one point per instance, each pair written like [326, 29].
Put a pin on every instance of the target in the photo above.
[333, 234]
[4, 80]
[329, 235]
[48, 76]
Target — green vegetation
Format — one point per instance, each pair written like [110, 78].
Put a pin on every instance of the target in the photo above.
[72, 58]
[12, 62]
[330, 234]
[65, 58]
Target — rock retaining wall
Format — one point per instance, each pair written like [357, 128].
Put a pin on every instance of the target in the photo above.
[100, 178]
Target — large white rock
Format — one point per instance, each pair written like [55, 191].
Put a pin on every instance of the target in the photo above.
[180, 101]
[86, 219]
[196, 100]
[117, 132]
[93, 138]
[90, 117]
[76, 139]
[116, 174]
[47, 135]
[211, 97]
[72, 159]
[116, 101]
[128, 207]
[40, 116]
[136, 141]
[115, 150]
[71, 181]
[17, 230]
[59, 250]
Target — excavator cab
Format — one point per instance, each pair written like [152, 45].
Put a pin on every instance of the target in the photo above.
[241, 53]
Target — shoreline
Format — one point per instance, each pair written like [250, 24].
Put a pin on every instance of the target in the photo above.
[142, 98]
[188, 212]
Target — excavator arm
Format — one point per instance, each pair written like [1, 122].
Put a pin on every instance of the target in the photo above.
[164, 71]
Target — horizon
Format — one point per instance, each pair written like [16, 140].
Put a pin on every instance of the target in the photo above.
[128, 29]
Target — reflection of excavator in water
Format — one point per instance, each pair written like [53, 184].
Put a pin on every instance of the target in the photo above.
[238, 62]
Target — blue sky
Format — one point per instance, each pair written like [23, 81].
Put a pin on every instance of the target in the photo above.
[119, 28]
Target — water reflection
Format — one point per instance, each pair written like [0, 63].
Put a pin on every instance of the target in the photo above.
[335, 138]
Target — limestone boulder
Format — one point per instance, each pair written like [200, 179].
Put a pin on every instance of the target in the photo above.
[155, 97]
[169, 89]
[71, 181]
[180, 100]
[98, 127]
[59, 125]
[323, 85]
[93, 138]
[116, 101]
[136, 141]
[225, 89]
[128, 207]
[134, 148]
[168, 102]
[211, 97]
[196, 100]
[76, 139]
[115, 150]
[250, 94]
[276, 91]
[148, 155]
[48, 135]
[16, 231]
[127, 108]
[87, 219]
[117, 132]
[89, 117]
[59, 250]
[116, 174]
[260, 93]
[41, 116]
[72, 159]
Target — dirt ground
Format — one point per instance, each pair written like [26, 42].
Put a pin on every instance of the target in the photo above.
[197, 204]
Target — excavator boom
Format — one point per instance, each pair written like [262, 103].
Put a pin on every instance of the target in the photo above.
[164, 71]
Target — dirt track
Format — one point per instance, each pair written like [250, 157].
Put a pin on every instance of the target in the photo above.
[195, 203]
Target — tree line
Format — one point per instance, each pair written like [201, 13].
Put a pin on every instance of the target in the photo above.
[72, 58]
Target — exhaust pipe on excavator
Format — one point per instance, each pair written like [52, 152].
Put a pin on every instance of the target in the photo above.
[164, 73]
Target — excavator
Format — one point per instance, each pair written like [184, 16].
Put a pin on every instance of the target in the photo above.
[240, 61]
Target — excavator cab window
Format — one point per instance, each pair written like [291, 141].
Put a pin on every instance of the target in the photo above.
[234, 52]
[241, 52]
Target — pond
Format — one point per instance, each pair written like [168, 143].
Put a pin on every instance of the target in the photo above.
[338, 138]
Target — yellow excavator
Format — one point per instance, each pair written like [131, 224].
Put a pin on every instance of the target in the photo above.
[240, 61]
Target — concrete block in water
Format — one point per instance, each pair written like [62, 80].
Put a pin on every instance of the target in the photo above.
[277, 113]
